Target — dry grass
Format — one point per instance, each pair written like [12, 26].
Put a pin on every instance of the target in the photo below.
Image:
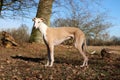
[27, 63]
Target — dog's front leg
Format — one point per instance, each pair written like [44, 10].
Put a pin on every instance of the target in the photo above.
[51, 55]
[49, 59]
[50, 49]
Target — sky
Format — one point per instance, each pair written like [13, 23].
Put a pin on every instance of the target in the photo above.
[112, 7]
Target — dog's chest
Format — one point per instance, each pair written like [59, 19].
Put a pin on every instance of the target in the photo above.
[45, 39]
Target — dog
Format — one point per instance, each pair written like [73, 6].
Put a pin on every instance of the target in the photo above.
[55, 36]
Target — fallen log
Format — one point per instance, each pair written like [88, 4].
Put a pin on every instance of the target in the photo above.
[7, 40]
[106, 52]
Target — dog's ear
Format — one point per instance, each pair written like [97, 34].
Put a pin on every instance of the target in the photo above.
[33, 19]
[42, 19]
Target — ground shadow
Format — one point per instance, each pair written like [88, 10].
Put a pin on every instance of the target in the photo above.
[61, 60]
[28, 58]
[95, 60]
[58, 60]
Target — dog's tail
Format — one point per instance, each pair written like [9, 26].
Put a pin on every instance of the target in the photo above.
[85, 48]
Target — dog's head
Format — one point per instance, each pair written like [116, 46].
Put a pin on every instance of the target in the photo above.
[37, 22]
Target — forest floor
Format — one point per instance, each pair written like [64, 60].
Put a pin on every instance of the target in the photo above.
[27, 63]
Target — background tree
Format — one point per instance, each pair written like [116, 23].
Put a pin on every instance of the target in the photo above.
[1, 4]
[82, 17]
[74, 13]
[15, 8]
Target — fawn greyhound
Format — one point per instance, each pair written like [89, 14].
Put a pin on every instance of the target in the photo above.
[55, 36]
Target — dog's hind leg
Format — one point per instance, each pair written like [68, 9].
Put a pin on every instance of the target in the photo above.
[80, 46]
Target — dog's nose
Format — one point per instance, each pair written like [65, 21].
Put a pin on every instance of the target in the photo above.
[35, 27]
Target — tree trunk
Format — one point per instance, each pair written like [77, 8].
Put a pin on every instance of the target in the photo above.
[1, 4]
[44, 11]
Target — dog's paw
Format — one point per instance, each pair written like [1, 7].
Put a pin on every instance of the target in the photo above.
[84, 66]
[46, 65]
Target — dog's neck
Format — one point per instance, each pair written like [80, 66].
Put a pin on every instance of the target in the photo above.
[43, 28]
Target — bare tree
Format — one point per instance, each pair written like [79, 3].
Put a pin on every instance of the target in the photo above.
[1, 4]
[13, 8]
[75, 13]
[94, 25]
[94, 28]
